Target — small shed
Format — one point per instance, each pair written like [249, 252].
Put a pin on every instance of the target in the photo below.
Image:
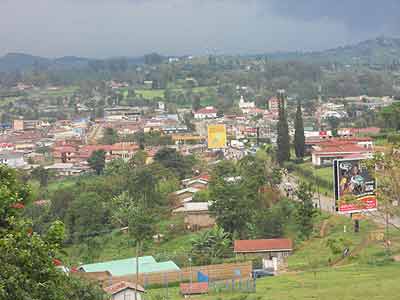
[194, 288]
[125, 291]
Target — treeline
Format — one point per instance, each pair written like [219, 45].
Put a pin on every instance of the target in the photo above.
[92, 205]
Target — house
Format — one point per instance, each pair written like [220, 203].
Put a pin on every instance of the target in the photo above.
[185, 195]
[265, 247]
[325, 151]
[193, 288]
[273, 251]
[198, 182]
[246, 106]
[208, 112]
[12, 159]
[66, 169]
[125, 291]
[273, 107]
[196, 215]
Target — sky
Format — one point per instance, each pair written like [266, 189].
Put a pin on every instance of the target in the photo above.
[111, 28]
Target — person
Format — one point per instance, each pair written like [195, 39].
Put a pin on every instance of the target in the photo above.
[346, 252]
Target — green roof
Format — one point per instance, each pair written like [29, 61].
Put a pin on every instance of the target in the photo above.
[166, 266]
[121, 267]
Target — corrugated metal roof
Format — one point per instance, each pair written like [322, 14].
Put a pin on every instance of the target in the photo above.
[263, 245]
[147, 264]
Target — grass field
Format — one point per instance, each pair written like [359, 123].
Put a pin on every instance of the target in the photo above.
[152, 94]
[64, 91]
[367, 275]
[324, 176]
[344, 283]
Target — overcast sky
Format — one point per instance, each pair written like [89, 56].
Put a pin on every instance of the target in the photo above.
[105, 28]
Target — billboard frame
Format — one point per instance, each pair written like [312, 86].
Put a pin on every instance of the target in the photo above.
[336, 190]
[223, 143]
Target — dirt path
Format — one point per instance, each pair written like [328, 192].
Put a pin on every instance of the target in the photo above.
[365, 242]
[322, 231]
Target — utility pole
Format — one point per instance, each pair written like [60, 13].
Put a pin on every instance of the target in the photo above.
[137, 269]
[191, 278]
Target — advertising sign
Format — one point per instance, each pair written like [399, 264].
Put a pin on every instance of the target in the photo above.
[216, 136]
[355, 188]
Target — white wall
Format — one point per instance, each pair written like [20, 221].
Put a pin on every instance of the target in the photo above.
[127, 294]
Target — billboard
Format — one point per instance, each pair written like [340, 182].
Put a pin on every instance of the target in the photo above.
[216, 136]
[355, 188]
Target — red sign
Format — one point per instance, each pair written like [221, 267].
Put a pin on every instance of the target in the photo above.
[323, 133]
[363, 204]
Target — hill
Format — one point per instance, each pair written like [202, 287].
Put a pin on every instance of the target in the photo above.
[21, 62]
[378, 51]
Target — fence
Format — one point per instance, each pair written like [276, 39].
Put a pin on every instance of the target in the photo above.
[214, 272]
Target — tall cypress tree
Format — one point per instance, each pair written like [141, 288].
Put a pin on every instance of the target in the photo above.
[283, 140]
[299, 138]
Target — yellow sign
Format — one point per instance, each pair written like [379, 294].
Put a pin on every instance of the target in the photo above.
[216, 136]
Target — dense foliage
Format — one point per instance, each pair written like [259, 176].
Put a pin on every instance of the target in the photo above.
[27, 268]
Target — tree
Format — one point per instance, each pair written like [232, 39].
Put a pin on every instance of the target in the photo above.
[386, 169]
[87, 216]
[333, 124]
[141, 228]
[306, 211]
[110, 136]
[283, 139]
[27, 259]
[42, 175]
[299, 138]
[143, 186]
[139, 159]
[210, 246]
[97, 161]
[173, 160]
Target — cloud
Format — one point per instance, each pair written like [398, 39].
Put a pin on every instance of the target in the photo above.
[103, 28]
[357, 15]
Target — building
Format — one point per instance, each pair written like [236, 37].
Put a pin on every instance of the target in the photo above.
[264, 247]
[196, 215]
[273, 251]
[194, 288]
[324, 151]
[123, 267]
[125, 291]
[273, 105]
[208, 112]
[66, 169]
[12, 159]
[185, 195]
[21, 124]
[246, 106]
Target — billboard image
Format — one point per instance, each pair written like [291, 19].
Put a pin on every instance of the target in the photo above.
[355, 188]
[216, 136]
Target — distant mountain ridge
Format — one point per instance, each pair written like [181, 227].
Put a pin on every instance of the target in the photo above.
[381, 50]
[22, 61]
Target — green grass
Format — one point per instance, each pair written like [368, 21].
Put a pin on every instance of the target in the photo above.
[59, 184]
[117, 245]
[315, 253]
[324, 174]
[7, 100]
[150, 94]
[62, 92]
[345, 283]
